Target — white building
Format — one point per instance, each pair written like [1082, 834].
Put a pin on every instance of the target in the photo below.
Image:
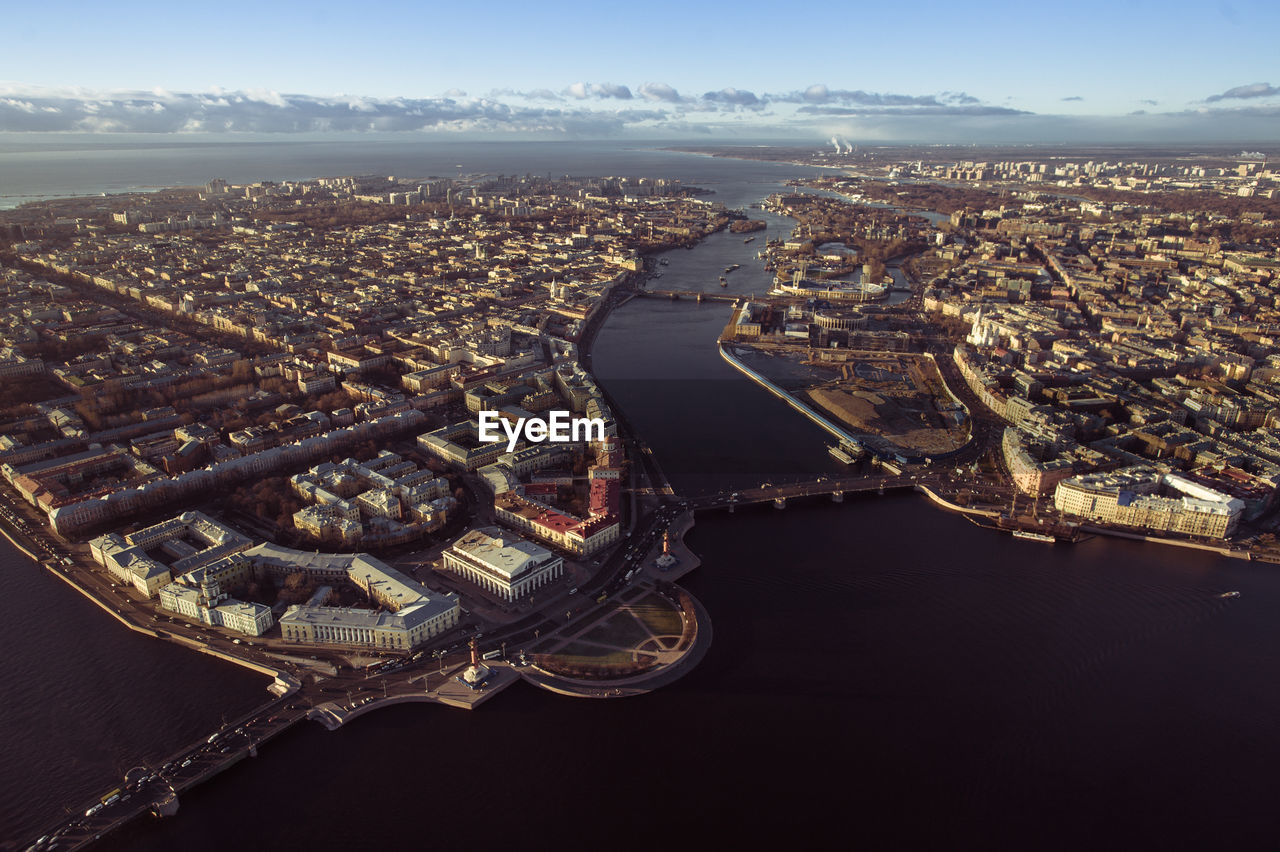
[412, 614]
[1130, 497]
[252, 619]
[503, 564]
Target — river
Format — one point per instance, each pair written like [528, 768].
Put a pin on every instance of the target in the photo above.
[883, 673]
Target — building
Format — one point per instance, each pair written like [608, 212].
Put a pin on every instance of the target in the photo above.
[1131, 497]
[251, 619]
[410, 614]
[502, 564]
[192, 543]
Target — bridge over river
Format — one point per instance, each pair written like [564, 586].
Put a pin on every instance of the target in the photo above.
[834, 487]
[697, 296]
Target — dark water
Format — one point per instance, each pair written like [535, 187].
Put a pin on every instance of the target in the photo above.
[882, 671]
[883, 675]
[86, 699]
[88, 166]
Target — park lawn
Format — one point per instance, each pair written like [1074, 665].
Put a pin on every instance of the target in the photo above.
[618, 629]
[658, 615]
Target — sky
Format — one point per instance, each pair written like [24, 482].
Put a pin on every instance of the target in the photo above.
[1116, 71]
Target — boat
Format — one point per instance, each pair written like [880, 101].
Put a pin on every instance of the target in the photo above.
[1229, 595]
[731, 267]
[846, 451]
[1028, 535]
[724, 282]
[748, 240]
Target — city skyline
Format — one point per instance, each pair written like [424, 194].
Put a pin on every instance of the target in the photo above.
[989, 72]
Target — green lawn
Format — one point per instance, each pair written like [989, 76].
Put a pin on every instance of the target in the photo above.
[658, 615]
[619, 629]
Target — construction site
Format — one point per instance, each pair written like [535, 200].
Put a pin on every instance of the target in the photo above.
[896, 397]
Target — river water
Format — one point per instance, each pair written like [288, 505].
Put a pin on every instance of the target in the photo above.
[883, 673]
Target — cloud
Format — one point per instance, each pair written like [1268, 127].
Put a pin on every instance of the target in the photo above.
[1253, 90]
[1073, 98]
[655, 109]
[260, 111]
[582, 91]
[609, 90]
[734, 97]
[817, 93]
[933, 109]
[531, 95]
[820, 94]
[658, 92]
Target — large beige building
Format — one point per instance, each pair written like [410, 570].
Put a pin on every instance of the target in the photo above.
[249, 618]
[149, 558]
[1131, 498]
[410, 614]
[502, 563]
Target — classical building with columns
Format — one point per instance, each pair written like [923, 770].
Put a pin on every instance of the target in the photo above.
[408, 614]
[502, 563]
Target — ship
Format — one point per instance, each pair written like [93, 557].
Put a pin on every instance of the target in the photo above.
[1229, 595]
[748, 240]
[846, 451]
[731, 267]
[1027, 535]
[724, 282]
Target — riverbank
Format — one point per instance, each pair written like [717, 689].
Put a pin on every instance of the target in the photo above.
[16, 539]
[938, 500]
[1155, 539]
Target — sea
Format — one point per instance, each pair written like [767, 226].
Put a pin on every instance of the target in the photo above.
[884, 674]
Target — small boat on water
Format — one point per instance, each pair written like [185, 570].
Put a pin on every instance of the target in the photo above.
[1229, 595]
[731, 267]
[1028, 535]
[748, 240]
[724, 282]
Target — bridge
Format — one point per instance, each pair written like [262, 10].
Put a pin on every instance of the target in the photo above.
[697, 296]
[156, 789]
[933, 481]
[833, 487]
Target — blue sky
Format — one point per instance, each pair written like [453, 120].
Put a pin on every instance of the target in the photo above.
[925, 70]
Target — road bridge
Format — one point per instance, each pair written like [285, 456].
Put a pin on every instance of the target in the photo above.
[834, 487]
[697, 296]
